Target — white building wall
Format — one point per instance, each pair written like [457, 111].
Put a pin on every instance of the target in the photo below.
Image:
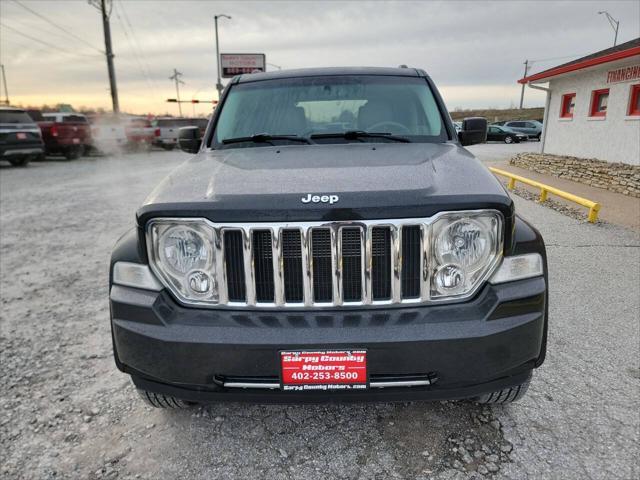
[616, 138]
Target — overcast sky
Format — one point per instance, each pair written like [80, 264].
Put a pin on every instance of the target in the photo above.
[473, 50]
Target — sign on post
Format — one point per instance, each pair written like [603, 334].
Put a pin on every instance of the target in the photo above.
[238, 63]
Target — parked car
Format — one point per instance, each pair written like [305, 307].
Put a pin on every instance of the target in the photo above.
[166, 130]
[498, 123]
[286, 263]
[20, 137]
[108, 133]
[64, 133]
[457, 126]
[532, 128]
[505, 134]
[139, 132]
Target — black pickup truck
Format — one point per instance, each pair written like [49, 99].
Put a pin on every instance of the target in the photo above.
[331, 240]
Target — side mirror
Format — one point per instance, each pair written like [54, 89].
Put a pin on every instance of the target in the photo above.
[474, 130]
[189, 139]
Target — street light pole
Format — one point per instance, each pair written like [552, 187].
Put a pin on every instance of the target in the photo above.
[526, 70]
[176, 77]
[6, 89]
[219, 86]
[615, 24]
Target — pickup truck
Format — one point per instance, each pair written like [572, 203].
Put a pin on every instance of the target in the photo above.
[108, 133]
[20, 137]
[140, 132]
[64, 133]
[166, 130]
[331, 240]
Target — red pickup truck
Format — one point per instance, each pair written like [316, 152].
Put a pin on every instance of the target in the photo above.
[64, 133]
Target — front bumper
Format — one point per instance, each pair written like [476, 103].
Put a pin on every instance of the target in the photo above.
[488, 343]
[20, 150]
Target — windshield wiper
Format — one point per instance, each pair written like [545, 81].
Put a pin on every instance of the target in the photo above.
[266, 138]
[358, 134]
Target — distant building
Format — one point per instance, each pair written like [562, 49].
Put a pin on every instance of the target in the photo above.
[593, 105]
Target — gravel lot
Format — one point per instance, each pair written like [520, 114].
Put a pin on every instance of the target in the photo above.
[66, 412]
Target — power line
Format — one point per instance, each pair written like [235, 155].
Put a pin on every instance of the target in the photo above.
[54, 47]
[558, 58]
[65, 30]
[133, 49]
[135, 40]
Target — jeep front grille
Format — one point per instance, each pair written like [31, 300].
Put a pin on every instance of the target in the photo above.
[322, 264]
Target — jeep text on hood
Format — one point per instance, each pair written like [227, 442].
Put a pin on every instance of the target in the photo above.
[330, 240]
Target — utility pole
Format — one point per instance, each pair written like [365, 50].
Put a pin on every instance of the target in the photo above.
[526, 70]
[4, 82]
[219, 85]
[176, 77]
[107, 44]
[615, 24]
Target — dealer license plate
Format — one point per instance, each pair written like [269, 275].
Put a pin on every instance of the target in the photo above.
[76, 140]
[323, 370]
[21, 136]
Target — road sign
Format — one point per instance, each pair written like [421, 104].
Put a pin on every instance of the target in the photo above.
[238, 63]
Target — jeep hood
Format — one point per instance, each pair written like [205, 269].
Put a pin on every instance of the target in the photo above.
[372, 181]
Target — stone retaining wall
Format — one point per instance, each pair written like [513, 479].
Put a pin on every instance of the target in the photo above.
[616, 177]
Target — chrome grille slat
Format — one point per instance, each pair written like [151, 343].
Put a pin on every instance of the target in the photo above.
[424, 267]
[307, 274]
[218, 253]
[278, 273]
[249, 276]
[336, 264]
[396, 263]
[367, 296]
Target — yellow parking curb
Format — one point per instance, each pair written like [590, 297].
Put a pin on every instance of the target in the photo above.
[545, 190]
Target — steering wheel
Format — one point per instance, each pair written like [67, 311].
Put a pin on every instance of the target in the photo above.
[377, 127]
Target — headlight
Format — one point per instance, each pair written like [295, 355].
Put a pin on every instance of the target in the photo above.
[181, 254]
[465, 249]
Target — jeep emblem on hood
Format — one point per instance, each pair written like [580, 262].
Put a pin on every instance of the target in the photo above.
[330, 199]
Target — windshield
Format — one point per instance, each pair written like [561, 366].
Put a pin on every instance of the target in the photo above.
[306, 106]
[14, 116]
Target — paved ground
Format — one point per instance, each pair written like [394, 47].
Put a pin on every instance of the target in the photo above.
[615, 207]
[66, 412]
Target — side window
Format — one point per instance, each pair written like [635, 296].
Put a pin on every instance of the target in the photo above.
[599, 102]
[634, 101]
[517, 124]
[567, 104]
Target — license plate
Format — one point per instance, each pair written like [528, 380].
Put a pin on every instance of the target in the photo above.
[76, 140]
[21, 136]
[323, 370]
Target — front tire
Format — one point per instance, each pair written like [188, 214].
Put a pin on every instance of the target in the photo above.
[20, 161]
[158, 400]
[504, 396]
[73, 153]
[508, 139]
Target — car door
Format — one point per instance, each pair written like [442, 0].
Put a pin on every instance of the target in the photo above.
[517, 126]
[532, 129]
[493, 133]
